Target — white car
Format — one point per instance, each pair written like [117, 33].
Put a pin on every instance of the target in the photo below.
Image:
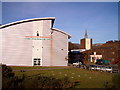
[109, 69]
[106, 69]
[103, 69]
[92, 67]
[75, 64]
[98, 68]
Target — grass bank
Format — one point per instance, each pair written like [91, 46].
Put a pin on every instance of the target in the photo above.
[87, 78]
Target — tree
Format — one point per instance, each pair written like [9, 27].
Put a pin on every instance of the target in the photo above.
[9, 80]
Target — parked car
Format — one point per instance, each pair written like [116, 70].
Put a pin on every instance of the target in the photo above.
[76, 64]
[115, 69]
[103, 69]
[98, 68]
[92, 67]
[108, 69]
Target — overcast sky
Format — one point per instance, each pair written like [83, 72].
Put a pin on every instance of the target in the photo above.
[99, 18]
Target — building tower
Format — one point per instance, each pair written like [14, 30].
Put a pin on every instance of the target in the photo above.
[86, 43]
[86, 36]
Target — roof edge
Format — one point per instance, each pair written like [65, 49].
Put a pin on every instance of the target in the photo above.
[28, 20]
[69, 36]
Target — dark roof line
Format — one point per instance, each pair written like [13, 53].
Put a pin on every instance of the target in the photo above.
[28, 20]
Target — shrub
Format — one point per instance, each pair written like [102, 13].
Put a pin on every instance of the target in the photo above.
[9, 80]
[36, 81]
[47, 82]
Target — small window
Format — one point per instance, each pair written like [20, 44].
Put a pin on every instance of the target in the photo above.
[37, 61]
[37, 33]
[35, 58]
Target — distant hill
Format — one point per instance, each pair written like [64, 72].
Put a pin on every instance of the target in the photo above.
[97, 44]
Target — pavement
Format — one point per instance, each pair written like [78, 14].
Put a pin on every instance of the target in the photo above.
[23, 70]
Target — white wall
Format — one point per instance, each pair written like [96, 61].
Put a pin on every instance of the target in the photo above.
[95, 58]
[47, 44]
[37, 44]
[15, 49]
[88, 43]
[53, 55]
[60, 48]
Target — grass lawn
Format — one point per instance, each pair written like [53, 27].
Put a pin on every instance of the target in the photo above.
[87, 78]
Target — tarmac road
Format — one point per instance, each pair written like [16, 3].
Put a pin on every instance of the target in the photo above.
[22, 70]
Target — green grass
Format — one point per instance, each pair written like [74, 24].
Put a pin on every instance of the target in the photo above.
[87, 78]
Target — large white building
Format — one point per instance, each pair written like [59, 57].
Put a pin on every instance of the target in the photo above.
[33, 42]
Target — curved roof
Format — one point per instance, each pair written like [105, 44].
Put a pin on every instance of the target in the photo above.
[29, 20]
[35, 19]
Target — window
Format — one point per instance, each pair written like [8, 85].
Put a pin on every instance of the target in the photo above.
[34, 62]
[37, 33]
[35, 58]
[37, 61]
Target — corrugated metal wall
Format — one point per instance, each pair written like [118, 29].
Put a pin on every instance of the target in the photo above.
[15, 49]
[60, 49]
[47, 58]
[37, 44]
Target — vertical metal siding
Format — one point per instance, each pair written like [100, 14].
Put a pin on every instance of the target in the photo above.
[18, 51]
[37, 44]
[47, 58]
[15, 49]
[60, 49]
